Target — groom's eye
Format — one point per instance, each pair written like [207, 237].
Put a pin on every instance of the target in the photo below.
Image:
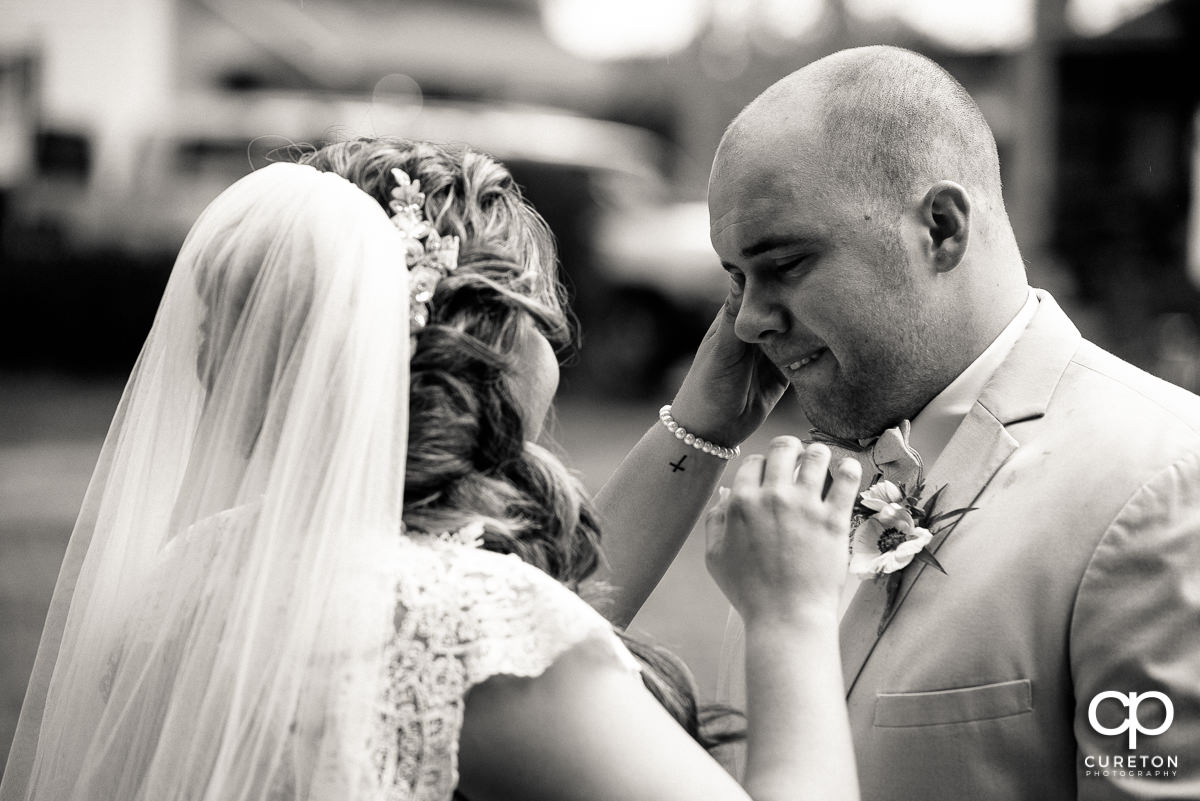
[791, 264]
[737, 282]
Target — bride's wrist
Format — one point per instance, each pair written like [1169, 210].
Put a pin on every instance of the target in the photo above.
[704, 423]
[692, 440]
[808, 616]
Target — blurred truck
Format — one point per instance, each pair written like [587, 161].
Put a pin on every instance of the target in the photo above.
[644, 282]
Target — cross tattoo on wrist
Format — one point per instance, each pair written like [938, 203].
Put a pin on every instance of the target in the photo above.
[678, 466]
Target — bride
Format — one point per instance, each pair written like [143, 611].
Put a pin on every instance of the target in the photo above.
[321, 557]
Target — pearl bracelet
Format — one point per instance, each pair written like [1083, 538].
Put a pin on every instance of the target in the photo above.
[699, 443]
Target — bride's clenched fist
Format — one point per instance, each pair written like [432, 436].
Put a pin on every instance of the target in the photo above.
[778, 542]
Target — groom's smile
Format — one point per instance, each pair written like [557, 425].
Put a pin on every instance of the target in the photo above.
[796, 366]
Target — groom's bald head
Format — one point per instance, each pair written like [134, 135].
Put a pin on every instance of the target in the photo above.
[882, 122]
[856, 206]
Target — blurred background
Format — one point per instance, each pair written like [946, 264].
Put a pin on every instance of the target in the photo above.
[121, 119]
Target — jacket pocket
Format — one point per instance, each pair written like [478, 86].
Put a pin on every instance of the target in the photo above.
[959, 705]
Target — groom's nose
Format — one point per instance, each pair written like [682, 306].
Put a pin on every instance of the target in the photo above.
[759, 316]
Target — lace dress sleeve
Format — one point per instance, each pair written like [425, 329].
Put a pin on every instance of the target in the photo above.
[464, 615]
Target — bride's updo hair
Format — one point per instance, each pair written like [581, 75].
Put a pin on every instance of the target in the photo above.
[468, 459]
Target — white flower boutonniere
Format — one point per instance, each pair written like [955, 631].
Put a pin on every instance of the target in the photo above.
[890, 530]
[889, 538]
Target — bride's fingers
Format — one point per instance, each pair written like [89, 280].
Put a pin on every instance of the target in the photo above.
[846, 477]
[714, 531]
[814, 467]
[715, 514]
[714, 527]
[750, 475]
[781, 460]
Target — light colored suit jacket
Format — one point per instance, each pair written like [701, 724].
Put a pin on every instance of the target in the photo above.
[1078, 573]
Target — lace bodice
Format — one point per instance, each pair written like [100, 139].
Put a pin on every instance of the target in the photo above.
[464, 615]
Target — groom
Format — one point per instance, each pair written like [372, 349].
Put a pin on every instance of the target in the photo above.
[857, 207]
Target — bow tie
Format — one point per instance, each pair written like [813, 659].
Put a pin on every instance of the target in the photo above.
[887, 456]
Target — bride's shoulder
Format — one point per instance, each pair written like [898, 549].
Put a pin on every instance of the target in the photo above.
[455, 571]
[500, 613]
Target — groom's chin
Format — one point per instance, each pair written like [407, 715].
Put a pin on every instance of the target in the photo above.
[820, 413]
[828, 416]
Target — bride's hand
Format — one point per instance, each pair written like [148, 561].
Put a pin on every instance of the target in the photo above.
[777, 546]
[731, 386]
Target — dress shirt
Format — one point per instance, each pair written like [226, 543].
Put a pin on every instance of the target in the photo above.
[937, 422]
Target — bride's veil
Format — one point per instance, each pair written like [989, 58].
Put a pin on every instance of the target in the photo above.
[219, 626]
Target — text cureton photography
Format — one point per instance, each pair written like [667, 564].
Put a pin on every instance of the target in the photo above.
[1160, 713]
[1130, 765]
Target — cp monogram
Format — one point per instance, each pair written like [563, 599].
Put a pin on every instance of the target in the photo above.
[1132, 723]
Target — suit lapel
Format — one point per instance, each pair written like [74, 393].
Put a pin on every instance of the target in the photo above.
[1019, 391]
[979, 448]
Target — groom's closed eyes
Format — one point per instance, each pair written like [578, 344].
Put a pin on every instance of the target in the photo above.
[794, 253]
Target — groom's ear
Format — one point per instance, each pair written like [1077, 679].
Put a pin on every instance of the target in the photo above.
[946, 217]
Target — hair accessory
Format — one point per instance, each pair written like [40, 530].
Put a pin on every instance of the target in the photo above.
[699, 443]
[428, 256]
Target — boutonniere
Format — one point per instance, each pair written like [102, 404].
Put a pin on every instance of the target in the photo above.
[890, 529]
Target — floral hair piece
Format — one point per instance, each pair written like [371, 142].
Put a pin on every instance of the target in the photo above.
[428, 256]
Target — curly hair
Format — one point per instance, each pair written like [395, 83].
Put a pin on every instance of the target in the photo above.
[468, 459]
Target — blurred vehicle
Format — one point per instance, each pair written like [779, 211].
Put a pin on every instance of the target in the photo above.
[643, 280]
[666, 286]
